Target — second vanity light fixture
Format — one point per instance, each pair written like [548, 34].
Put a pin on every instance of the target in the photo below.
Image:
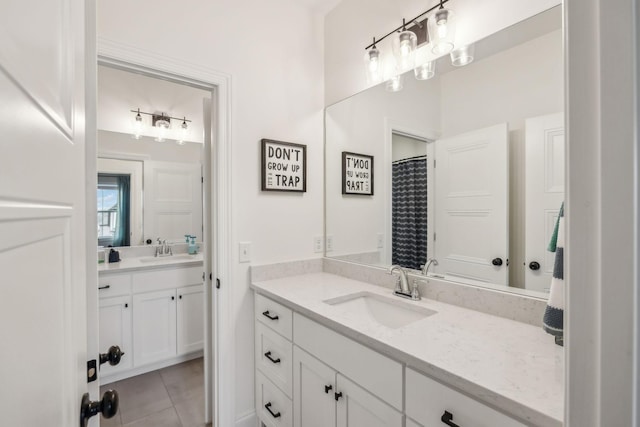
[161, 122]
[441, 37]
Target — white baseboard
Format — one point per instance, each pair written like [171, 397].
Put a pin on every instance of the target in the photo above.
[248, 419]
[117, 376]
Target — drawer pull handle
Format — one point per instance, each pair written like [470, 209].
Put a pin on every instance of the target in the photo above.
[269, 316]
[328, 388]
[268, 356]
[447, 417]
[268, 408]
[338, 396]
[104, 287]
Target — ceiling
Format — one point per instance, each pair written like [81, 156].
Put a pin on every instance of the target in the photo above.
[320, 6]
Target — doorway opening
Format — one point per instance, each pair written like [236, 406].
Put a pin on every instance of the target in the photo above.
[162, 316]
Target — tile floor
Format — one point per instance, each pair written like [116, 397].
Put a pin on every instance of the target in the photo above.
[169, 397]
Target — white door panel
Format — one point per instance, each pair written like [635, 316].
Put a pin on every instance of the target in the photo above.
[154, 326]
[115, 329]
[172, 200]
[190, 319]
[357, 407]
[472, 223]
[544, 194]
[313, 391]
[43, 306]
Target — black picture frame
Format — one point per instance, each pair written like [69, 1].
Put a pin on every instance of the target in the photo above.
[353, 164]
[284, 166]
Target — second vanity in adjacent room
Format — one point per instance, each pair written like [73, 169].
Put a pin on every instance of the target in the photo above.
[335, 346]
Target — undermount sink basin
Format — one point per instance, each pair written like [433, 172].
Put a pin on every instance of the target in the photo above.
[391, 312]
[170, 258]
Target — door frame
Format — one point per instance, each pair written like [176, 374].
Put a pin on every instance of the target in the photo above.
[429, 136]
[219, 349]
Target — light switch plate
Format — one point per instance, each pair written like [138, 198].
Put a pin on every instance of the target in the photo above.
[329, 243]
[245, 251]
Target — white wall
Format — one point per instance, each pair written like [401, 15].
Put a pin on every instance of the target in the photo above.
[114, 143]
[274, 53]
[404, 147]
[350, 27]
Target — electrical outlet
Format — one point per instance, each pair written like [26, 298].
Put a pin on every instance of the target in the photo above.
[380, 240]
[329, 244]
[318, 245]
[245, 251]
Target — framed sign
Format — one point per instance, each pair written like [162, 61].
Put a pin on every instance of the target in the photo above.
[357, 174]
[284, 166]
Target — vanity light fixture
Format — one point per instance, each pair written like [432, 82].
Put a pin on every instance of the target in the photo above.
[161, 123]
[441, 33]
[462, 56]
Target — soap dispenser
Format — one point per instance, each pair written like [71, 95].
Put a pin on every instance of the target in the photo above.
[191, 240]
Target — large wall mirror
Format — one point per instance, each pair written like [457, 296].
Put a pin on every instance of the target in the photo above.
[149, 184]
[469, 164]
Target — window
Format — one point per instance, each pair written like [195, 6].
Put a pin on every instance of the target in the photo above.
[113, 210]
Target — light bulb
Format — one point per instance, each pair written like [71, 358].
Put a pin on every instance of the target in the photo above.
[373, 64]
[184, 132]
[442, 28]
[137, 127]
[404, 46]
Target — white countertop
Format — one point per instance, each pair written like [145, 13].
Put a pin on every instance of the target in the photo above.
[143, 263]
[514, 367]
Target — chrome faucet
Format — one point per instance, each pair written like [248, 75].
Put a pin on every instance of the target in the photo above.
[163, 249]
[430, 262]
[402, 284]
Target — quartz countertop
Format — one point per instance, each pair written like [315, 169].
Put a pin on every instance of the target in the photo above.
[147, 262]
[511, 366]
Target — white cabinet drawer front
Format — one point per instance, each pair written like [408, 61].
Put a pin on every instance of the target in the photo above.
[273, 407]
[427, 400]
[274, 355]
[114, 285]
[274, 315]
[155, 280]
[373, 371]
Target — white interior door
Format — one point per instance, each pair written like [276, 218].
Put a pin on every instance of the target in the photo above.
[544, 195]
[42, 213]
[172, 200]
[472, 209]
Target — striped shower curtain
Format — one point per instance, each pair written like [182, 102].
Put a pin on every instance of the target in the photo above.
[409, 212]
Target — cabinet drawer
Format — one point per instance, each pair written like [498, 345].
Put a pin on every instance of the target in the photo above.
[427, 400]
[274, 315]
[376, 373]
[168, 278]
[273, 407]
[114, 285]
[274, 357]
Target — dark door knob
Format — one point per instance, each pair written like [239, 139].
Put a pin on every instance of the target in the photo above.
[497, 262]
[108, 406]
[534, 265]
[113, 356]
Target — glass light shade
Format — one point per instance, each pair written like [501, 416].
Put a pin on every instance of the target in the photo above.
[162, 126]
[462, 56]
[395, 83]
[442, 31]
[137, 126]
[373, 65]
[425, 71]
[404, 48]
[184, 132]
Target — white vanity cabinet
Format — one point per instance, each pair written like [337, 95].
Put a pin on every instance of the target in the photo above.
[427, 400]
[155, 316]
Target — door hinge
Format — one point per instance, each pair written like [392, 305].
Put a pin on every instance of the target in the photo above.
[217, 283]
[434, 163]
[202, 179]
[434, 237]
[210, 276]
[92, 370]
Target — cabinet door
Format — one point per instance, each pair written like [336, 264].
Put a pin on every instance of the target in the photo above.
[313, 391]
[154, 326]
[357, 407]
[190, 312]
[115, 329]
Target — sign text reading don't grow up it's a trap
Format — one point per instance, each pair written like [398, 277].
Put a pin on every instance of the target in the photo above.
[284, 166]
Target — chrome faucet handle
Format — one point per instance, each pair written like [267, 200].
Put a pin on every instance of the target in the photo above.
[415, 292]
